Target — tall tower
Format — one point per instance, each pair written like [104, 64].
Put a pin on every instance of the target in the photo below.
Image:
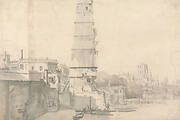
[84, 46]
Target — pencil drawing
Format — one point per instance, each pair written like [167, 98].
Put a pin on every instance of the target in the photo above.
[136, 77]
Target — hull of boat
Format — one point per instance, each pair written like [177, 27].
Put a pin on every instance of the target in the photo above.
[101, 113]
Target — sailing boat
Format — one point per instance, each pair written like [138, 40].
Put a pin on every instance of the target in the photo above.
[95, 111]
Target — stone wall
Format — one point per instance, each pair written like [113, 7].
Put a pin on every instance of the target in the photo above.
[27, 100]
[81, 102]
[52, 99]
[4, 100]
[18, 97]
[64, 99]
[36, 105]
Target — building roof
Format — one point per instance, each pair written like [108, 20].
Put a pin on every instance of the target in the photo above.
[40, 61]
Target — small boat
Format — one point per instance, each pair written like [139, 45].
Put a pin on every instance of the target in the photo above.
[78, 116]
[100, 112]
[125, 110]
[109, 110]
[94, 111]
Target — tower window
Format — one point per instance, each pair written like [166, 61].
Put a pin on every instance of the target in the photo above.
[21, 66]
[86, 8]
[32, 67]
[40, 68]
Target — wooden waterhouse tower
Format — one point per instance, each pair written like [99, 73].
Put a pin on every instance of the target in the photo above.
[83, 68]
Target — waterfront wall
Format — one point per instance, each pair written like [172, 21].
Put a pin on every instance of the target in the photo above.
[52, 99]
[18, 97]
[80, 102]
[36, 105]
[4, 100]
[23, 100]
[65, 99]
[27, 100]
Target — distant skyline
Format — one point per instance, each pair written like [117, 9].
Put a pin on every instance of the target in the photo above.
[129, 32]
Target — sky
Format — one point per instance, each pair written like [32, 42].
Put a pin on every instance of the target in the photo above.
[129, 32]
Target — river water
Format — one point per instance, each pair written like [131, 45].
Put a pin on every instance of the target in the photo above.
[116, 116]
[165, 111]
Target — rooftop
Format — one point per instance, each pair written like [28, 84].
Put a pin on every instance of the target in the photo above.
[40, 60]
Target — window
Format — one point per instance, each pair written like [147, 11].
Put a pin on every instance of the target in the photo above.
[52, 80]
[32, 67]
[86, 8]
[21, 66]
[41, 68]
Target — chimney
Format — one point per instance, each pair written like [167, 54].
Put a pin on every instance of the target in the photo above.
[22, 54]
